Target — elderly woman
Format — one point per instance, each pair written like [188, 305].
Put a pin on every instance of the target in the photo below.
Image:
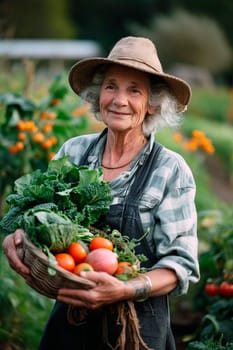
[153, 191]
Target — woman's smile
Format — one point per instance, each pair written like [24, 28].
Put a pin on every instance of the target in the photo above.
[124, 98]
[119, 114]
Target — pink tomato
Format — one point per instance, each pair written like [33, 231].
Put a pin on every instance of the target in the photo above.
[103, 260]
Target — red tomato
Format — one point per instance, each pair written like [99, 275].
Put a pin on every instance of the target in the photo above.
[226, 289]
[212, 289]
[78, 251]
[100, 242]
[103, 260]
[82, 267]
[66, 261]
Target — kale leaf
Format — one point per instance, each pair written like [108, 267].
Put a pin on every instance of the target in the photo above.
[56, 206]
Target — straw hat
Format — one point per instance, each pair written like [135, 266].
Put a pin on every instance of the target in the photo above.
[135, 52]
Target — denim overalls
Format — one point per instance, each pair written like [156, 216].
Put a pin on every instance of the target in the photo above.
[153, 314]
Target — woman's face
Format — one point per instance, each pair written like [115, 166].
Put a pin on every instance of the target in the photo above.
[124, 98]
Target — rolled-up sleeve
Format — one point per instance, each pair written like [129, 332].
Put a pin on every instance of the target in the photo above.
[175, 231]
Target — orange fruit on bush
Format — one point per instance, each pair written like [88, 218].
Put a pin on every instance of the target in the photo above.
[22, 136]
[100, 242]
[55, 102]
[38, 137]
[51, 155]
[47, 127]
[66, 261]
[12, 149]
[21, 125]
[47, 144]
[19, 146]
[53, 139]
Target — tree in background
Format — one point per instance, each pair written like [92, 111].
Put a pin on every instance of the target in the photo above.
[106, 21]
[36, 19]
[221, 12]
[189, 39]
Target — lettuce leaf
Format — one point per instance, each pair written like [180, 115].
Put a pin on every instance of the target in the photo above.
[53, 206]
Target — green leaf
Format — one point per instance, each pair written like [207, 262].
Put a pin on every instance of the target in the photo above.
[12, 99]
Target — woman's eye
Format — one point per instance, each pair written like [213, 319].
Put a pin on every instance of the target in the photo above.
[135, 91]
[109, 87]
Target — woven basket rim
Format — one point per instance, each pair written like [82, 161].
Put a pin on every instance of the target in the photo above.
[27, 244]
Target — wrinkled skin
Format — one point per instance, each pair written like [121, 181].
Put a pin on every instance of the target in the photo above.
[108, 289]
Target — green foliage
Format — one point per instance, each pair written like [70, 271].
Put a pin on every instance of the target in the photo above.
[216, 228]
[205, 198]
[202, 43]
[105, 15]
[43, 19]
[221, 135]
[221, 14]
[23, 312]
[38, 128]
[54, 206]
[215, 231]
[211, 104]
[209, 344]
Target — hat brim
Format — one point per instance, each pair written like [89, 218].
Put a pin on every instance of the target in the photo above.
[82, 72]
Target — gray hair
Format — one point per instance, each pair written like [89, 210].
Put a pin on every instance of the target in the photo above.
[166, 114]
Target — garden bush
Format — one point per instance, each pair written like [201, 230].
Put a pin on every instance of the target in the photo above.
[220, 134]
[205, 198]
[215, 291]
[210, 344]
[212, 104]
[31, 132]
[23, 312]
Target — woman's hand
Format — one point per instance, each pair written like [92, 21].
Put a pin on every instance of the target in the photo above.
[108, 290]
[10, 245]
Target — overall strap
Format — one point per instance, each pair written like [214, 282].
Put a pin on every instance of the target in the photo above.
[83, 160]
[144, 172]
[131, 220]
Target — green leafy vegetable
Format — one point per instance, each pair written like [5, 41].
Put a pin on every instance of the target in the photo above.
[125, 248]
[57, 206]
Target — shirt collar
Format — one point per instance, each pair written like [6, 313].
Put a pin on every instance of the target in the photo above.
[94, 159]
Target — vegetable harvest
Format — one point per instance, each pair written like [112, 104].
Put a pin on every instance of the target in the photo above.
[56, 209]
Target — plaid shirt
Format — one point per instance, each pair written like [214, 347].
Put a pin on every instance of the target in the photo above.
[167, 208]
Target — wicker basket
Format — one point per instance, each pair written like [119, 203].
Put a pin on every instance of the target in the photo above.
[41, 280]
